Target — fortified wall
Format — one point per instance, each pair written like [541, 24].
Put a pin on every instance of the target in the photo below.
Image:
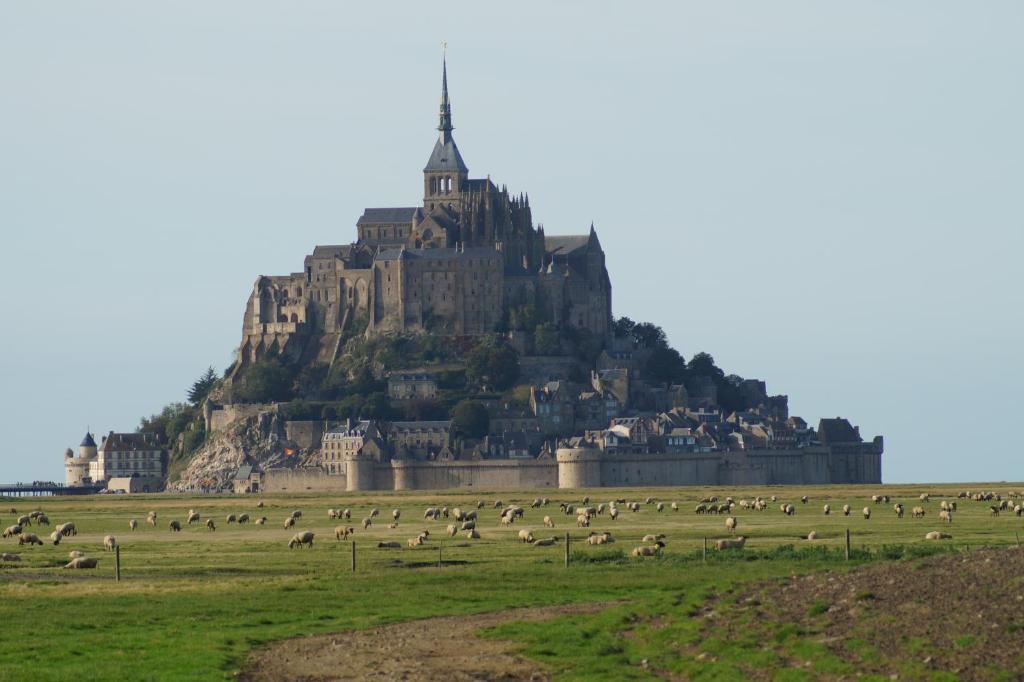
[593, 468]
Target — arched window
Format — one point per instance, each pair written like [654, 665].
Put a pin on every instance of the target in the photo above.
[295, 318]
[298, 292]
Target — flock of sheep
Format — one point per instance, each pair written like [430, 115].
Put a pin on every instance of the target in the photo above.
[464, 522]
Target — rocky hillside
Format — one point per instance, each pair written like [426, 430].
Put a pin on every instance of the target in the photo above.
[259, 439]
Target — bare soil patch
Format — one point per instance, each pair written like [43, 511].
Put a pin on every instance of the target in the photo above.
[961, 613]
[429, 649]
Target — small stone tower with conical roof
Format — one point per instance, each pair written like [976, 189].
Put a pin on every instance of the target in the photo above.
[76, 469]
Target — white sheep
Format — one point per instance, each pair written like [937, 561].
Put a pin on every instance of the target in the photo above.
[431, 513]
[811, 536]
[346, 514]
[846, 510]
[342, 532]
[261, 520]
[333, 513]
[232, 518]
[75, 554]
[133, 524]
[289, 522]
[472, 534]
[7, 556]
[259, 505]
[729, 543]
[600, 538]
[374, 513]
[416, 541]
[545, 542]
[548, 522]
[243, 518]
[367, 522]
[29, 539]
[647, 550]
[653, 538]
[451, 529]
[193, 517]
[56, 536]
[526, 536]
[613, 512]
[938, 535]
[151, 518]
[11, 531]
[660, 506]
[674, 506]
[867, 513]
[396, 513]
[43, 519]
[730, 524]
[304, 538]
[827, 509]
[946, 515]
[210, 525]
[918, 512]
[81, 562]
[109, 543]
[174, 526]
[24, 520]
[468, 525]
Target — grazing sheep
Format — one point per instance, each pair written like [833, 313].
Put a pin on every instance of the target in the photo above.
[109, 543]
[133, 524]
[304, 538]
[243, 518]
[536, 503]
[232, 518]
[660, 506]
[333, 513]
[81, 562]
[925, 497]
[545, 542]
[526, 536]
[367, 522]
[56, 537]
[613, 512]
[583, 521]
[867, 513]
[374, 513]
[193, 517]
[918, 512]
[480, 504]
[788, 509]
[469, 525]
[151, 518]
[393, 525]
[730, 524]
[653, 538]
[937, 535]
[674, 506]
[899, 510]
[396, 513]
[548, 522]
[804, 499]
[11, 531]
[995, 510]
[647, 550]
[342, 532]
[29, 539]
[346, 514]
[259, 505]
[24, 520]
[43, 520]
[471, 516]
[7, 556]
[67, 529]
[210, 525]
[846, 510]
[827, 509]
[389, 545]
[451, 529]
[729, 543]
[174, 526]
[416, 541]
[431, 513]
[649, 500]
[946, 515]
[634, 506]
[261, 520]
[498, 504]
[472, 534]
[289, 522]
[811, 536]
[600, 538]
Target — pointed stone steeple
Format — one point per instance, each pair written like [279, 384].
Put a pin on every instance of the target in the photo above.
[445, 124]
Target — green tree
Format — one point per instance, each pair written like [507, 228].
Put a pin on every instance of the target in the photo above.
[264, 382]
[667, 365]
[493, 364]
[525, 317]
[703, 365]
[470, 418]
[202, 386]
[623, 327]
[547, 340]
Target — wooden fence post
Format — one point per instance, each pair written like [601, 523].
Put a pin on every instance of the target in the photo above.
[567, 549]
[117, 562]
[704, 552]
[440, 544]
[353, 556]
[847, 544]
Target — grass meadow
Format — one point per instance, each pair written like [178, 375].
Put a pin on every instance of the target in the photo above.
[191, 605]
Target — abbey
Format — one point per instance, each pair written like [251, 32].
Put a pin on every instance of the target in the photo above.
[456, 264]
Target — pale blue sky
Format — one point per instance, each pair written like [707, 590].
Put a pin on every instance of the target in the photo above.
[826, 196]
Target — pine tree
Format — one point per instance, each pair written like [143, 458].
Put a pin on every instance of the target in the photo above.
[201, 388]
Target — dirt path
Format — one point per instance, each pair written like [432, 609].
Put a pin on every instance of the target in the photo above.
[430, 649]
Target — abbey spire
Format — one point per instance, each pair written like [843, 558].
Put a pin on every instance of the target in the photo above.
[445, 125]
[445, 173]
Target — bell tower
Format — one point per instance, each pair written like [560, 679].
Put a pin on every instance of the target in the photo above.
[445, 174]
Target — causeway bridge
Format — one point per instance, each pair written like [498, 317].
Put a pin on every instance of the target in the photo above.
[45, 488]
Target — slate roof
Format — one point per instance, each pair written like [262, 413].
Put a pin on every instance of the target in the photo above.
[88, 441]
[837, 430]
[566, 244]
[243, 472]
[446, 156]
[375, 216]
[331, 250]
